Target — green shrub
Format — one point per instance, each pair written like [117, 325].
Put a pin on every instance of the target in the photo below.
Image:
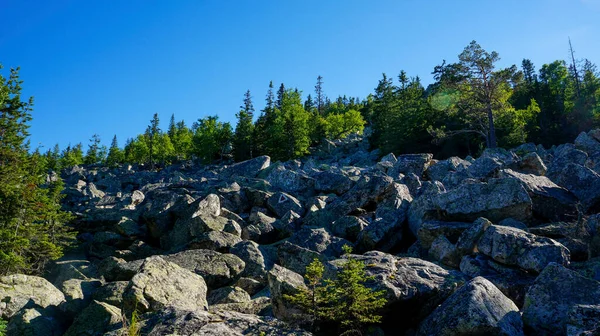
[344, 301]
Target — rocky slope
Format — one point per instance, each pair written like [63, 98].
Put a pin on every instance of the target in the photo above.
[505, 244]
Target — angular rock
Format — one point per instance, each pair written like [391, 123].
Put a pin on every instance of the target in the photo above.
[248, 168]
[583, 182]
[533, 164]
[17, 290]
[249, 252]
[516, 247]
[513, 282]
[432, 229]
[411, 163]
[282, 281]
[215, 268]
[111, 293]
[98, 318]
[332, 182]
[495, 200]
[36, 322]
[348, 227]
[280, 203]
[228, 295]
[549, 201]
[215, 240]
[554, 294]
[445, 252]
[78, 294]
[386, 230]
[467, 242]
[159, 284]
[173, 321]
[413, 287]
[477, 308]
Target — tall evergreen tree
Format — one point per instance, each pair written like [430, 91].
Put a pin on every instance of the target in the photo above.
[320, 96]
[94, 153]
[115, 154]
[32, 229]
[153, 136]
[172, 127]
[242, 140]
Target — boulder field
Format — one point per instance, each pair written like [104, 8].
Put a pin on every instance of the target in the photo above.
[504, 244]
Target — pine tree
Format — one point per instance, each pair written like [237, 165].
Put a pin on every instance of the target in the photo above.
[356, 304]
[94, 152]
[259, 134]
[32, 229]
[242, 140]
[172, 127]
[291, 132]
[115, 155]
[212, 139]
[153, 137]
[182, 141]
[320, 96]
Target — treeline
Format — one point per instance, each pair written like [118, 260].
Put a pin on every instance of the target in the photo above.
[471, 105]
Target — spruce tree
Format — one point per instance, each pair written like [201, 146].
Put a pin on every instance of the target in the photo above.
[94, 152]
[242, 140]
[152, 136]
[115, 154]
[32, 226]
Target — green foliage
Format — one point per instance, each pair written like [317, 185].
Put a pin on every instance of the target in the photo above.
[242, 139]
[345, 300]
[3, 326]
[32, 226]
[72, 156]
[340, 125]
[95, 153]
[212, 139]
[115, 154]
[182, 141]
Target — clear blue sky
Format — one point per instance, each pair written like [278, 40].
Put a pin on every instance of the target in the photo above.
[105, 66]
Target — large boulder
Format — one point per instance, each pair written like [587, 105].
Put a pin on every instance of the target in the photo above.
[511, 281]
[332, 182]
[36, 321]
[160, 283]
[430, 230]
[97, 319]
[288, 180]
[495, 200]
[477, 308]
[230, 294]
[283, 281]
[249, 168]
[255, 267]
[410, 163]
[78, 294]
[413, 287]
[280, 203]
[385, 230]
[557, 291]
[17, 290]
[583, 182]
[217, 269]
[512, 246]
[549, 201]
[173, 321]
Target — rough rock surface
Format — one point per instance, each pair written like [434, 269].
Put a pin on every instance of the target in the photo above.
[557, 291]
[477, 308]
[159, 284]
[17, 290]
[516, 247]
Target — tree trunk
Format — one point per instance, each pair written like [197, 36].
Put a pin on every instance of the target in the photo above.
[492, 143]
